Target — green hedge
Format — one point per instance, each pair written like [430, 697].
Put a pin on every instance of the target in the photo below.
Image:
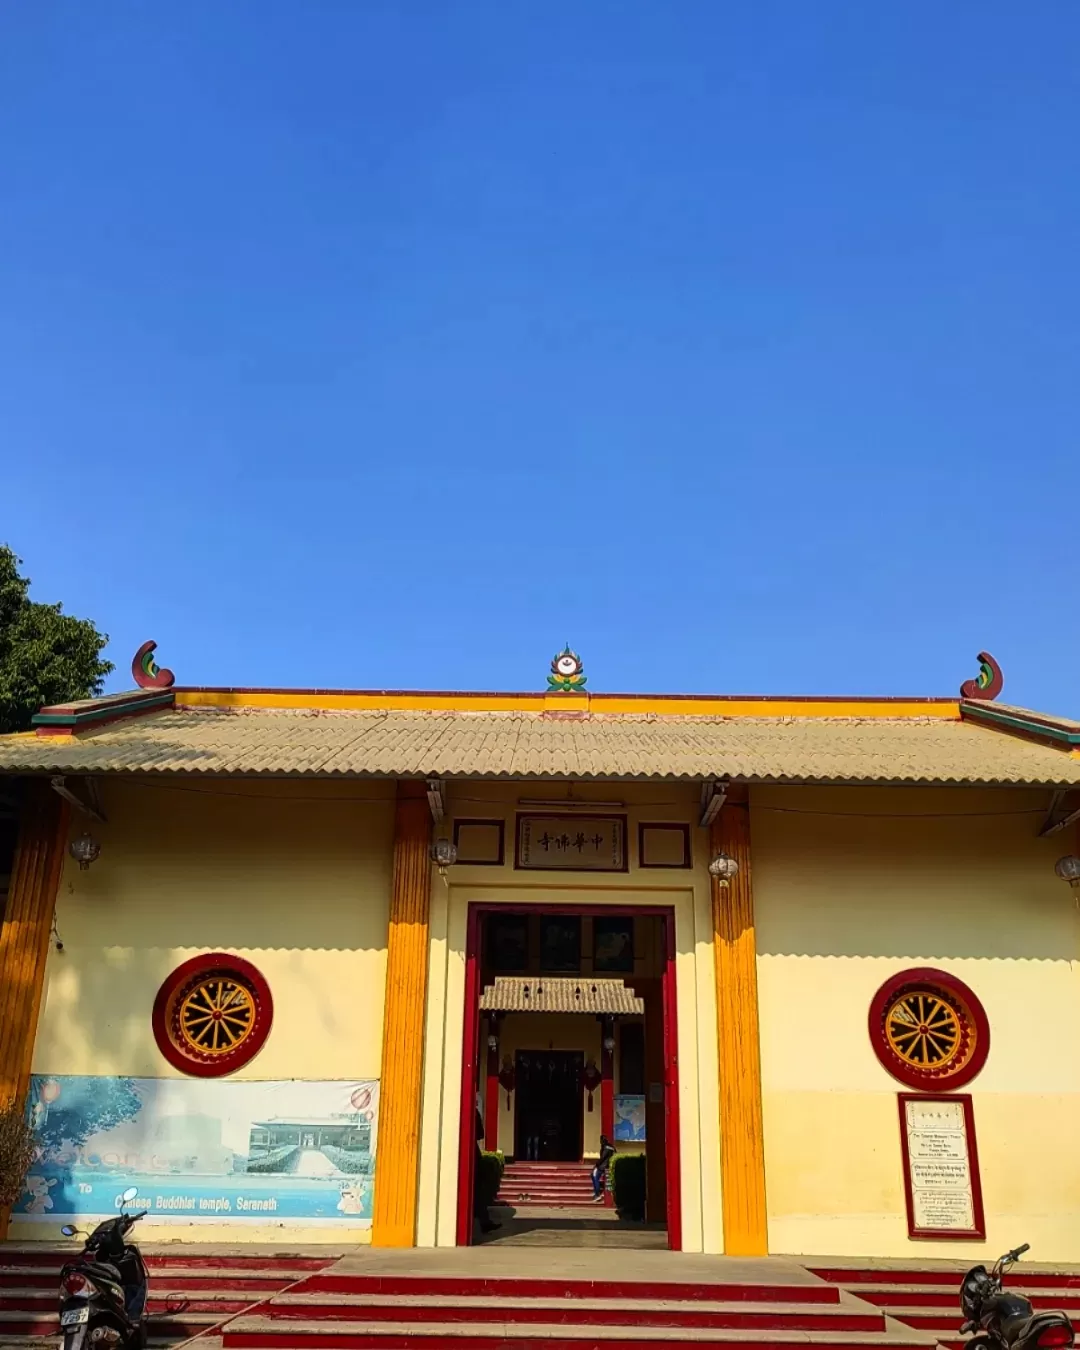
[489, 1178]
[628, 1185]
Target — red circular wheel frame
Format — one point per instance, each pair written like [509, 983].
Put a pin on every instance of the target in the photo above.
[958, 992]
[199, 967]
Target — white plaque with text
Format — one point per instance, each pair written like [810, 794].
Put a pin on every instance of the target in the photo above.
[942, 1186]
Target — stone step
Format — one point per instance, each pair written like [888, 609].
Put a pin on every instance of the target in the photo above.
[182, 1278]
[422, 1307]
[916, 1277]
[23, 1256]
[173, 1328]
[262, 1333]
[511, 1288]
[223, 1302]
[907, 1296]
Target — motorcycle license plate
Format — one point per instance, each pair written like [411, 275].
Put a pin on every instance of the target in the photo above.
[75, 1317]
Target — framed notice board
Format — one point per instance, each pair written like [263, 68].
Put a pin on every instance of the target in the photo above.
[942, 1187]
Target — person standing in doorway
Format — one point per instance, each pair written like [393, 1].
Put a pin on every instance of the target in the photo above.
[481, 1214]
[600, 1171]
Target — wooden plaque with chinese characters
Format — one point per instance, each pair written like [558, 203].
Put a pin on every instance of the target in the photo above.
[941, 1166]
[571, 843]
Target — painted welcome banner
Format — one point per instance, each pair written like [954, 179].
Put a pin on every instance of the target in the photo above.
[203, 1150]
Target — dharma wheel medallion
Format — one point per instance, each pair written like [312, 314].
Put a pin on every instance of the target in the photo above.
[567, 672]
[929, 1030]
[212, 1015]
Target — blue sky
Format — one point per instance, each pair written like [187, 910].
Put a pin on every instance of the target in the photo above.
[396, 344]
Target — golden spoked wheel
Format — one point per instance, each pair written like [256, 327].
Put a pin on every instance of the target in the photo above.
[924, 1030]
[216, 1015]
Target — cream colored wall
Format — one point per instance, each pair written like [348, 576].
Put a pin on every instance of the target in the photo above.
[851, 886]
[293, 876]
[550, 1031]
[687, 891]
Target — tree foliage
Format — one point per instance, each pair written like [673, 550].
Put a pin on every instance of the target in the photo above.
[92, 1107]
[46, 656]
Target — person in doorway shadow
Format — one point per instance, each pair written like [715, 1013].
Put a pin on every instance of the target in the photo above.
[600, 1171]
[481, 1214]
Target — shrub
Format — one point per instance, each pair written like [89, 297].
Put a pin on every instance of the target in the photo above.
[18, 1151]
[628, 1185]
[489, 1170]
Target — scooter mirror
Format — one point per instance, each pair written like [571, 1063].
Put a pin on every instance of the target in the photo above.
[68, 1230]
[130, 1194]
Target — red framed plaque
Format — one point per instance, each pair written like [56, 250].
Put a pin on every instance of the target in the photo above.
[942, 1187]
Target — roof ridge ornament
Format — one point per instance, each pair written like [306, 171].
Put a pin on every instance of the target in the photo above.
[567, 673]
[989, 682]
[147, 673]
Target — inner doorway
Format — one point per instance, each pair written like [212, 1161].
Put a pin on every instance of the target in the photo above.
[547, 1122]
[570, 1039]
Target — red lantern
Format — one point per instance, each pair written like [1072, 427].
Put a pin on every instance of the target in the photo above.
[592, 1079]
[508, 1078]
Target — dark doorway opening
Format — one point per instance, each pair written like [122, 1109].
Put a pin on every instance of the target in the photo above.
[547, 1124]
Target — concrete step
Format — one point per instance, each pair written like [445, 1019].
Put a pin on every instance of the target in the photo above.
[263, 1333]
[179, 1278]
[422, 1307]
[173, 1328]
[915, 1277]
[223, 1302]
[511, 1289]
[888, 1296]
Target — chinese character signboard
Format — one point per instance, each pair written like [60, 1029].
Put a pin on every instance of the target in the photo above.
[571, 843]
[941, 1167]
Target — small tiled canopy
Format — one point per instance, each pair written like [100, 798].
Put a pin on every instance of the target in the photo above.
[540, 993]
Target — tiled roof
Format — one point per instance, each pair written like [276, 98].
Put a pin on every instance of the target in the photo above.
[404, 743]
[546, 993]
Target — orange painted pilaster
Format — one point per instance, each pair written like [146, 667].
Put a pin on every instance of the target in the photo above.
[742, 1148]
[24, 938]
[397, 1154]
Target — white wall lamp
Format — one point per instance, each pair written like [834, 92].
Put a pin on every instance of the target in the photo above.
[1068, 869]
[85, 850]
[724, 868]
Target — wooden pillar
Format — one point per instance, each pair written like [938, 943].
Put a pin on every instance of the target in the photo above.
[742, 1149]
[491, 1094]
[607, 1091]
[24, 938]
[397, 1156]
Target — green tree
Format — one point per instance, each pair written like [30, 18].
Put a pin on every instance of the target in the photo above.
[86, 1106]
[46, 656]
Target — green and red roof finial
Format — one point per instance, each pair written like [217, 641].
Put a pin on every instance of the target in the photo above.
[147, 673]
[567, 673]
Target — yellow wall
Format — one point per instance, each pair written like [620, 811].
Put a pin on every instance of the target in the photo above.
[293, 876]
[852, 886]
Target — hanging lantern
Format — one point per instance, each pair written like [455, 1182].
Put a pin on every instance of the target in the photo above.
[443, 855]
[85, 850]
[507, 1078]
[723, 867]
[593, 1079]
[1068, 869]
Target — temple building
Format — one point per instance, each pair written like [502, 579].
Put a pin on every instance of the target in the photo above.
[288, 960]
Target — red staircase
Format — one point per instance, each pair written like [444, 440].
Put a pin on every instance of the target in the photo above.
[552, 1185]
[189, 1294]
[928, 1298]
[342, 1311]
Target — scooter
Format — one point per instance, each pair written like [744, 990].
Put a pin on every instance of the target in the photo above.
[103, 1294]
[1006, 1321]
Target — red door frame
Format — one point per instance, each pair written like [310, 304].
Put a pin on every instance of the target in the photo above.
[473, 1051]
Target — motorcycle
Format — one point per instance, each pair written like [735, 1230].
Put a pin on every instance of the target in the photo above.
[1007, 1321]
[103, 1294]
